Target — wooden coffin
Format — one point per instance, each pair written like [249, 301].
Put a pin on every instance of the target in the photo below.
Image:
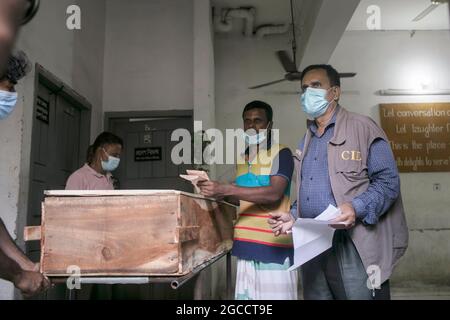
[131, 232]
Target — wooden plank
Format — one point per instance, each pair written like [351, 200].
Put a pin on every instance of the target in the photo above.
[215, 221]
[108, 236]
[32, 233]
[153, 233]
[99, 193]
[188, 233]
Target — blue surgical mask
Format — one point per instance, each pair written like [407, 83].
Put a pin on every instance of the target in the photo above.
[8, 101]
[256, 138]
[111, 164]
[314, 102]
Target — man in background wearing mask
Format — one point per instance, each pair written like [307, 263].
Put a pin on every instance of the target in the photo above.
[14, 265]
[345, 160]
[262, 186]
[18, 67]
[102, 159]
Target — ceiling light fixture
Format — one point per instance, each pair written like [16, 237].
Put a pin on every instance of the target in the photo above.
[412, 92]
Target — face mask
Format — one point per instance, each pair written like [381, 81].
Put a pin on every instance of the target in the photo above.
[256, 138]
[314, 102]
[8, 101]
[111, 164]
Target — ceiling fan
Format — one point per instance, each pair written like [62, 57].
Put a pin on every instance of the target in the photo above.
[290, 65]
[434, 4]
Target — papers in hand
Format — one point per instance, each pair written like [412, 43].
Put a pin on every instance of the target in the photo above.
[194, 176]
[313, 236]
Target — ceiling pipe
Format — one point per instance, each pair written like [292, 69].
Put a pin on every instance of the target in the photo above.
[268, 30]
[224, 23]
[248, 15]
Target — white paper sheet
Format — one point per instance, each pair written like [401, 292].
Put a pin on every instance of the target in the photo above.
[313, 236]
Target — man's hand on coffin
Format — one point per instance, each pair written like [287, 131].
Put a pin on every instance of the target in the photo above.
[31, 283]
[30, 266]
[281, 222]
[35, 267]
[213, 189]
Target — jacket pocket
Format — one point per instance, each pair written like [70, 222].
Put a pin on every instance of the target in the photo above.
[352, 170]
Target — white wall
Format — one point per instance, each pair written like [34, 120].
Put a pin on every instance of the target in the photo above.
[394, 59]
[73, 56]
[159, 56]
[203, 63]
[89, 52]
[148, 55]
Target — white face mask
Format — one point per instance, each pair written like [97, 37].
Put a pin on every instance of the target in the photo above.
[8, 101]
[111, 164]
[314, 102]
[256, 139]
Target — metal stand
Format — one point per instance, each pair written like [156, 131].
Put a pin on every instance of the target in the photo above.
[228, 287]
[175, 282]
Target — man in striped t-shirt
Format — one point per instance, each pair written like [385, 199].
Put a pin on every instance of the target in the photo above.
[262, 186]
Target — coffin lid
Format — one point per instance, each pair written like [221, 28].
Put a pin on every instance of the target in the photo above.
[100, 193]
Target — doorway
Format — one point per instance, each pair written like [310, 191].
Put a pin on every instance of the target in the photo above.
[60, 138]
[146, 162]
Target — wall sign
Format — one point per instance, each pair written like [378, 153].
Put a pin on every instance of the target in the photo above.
[419, 135]
[148, 154]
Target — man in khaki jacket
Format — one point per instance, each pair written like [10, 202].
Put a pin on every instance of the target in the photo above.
[345, 160]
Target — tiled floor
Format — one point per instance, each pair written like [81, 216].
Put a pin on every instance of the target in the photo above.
[416, 292]
[421, 293]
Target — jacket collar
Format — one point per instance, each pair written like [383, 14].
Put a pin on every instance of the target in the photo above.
[339, 136]
[340, 125]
